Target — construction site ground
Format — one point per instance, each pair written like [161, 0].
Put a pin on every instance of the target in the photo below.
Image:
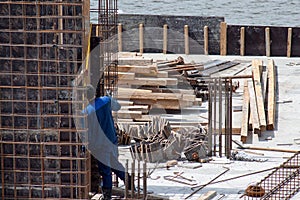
[285, 136]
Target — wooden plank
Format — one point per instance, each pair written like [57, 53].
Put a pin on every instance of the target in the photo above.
[130, 91]
[122, 75]
[268, 42]
[242, 41]
[162, 75]
[157, 96]
[165, 38]
[206, 39]
[289, 42]
[125, 103]
[256, 66]
[186, 40]
[264, 79]
[143, 108]
[208, 196]
[253, 108]
[138, 61]
[245, 111]
[149, 81]
[167, 104]
[128, 114]
[223, 38]
[271, 95]
[138, 69]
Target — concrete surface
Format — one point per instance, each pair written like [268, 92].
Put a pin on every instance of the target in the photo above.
[285, 136]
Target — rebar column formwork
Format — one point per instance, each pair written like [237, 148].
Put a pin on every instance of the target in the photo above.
[220, 116]
[103, 60]
[42, 46]
[105, 46]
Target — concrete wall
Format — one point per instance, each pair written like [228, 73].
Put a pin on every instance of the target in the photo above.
[153, 33]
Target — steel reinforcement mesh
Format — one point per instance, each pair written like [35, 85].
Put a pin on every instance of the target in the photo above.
[283, 182]
[42, 47]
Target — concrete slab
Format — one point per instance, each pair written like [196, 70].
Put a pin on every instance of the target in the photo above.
[286, 135]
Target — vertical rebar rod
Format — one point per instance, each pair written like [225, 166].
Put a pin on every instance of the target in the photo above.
[209, 119]
[230, 115]
[138, 179]
[226, 118]
[215, 116]
[220, 117]
[132, 178]
[144, 180]
[126, 180]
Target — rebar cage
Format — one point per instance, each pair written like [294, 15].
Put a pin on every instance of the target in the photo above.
[104, 36]
[42, 46]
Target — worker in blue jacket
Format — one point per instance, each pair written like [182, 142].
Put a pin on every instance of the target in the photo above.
[103, 141]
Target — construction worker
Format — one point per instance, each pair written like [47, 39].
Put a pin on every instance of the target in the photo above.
[103, 142]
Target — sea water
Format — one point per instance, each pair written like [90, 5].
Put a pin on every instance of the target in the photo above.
[237, 12]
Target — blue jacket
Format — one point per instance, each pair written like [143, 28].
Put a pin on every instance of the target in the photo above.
[101, 129]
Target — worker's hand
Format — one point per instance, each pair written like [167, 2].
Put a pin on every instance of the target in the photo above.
[108, 93]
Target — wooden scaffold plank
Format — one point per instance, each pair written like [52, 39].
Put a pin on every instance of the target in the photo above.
[271, 95]
[256, 69]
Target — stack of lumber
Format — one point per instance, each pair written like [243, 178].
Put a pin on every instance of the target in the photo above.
[198, 75]
[142, 88]
[259, 100]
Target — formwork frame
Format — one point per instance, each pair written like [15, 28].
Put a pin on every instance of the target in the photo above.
[42, 45]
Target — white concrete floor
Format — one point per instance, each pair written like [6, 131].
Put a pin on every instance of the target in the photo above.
[284, 136]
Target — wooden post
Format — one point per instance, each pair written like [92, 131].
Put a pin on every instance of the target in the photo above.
[242, 41]
[289, 42]
[141, 31]
[165, 39]
[120, 47]
[186, 40]
[223, 39]
[268, 42]
[206, 40]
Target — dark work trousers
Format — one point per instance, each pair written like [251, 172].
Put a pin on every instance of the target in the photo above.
[112, 164]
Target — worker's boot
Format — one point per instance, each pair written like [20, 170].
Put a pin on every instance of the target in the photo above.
[106, 194]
